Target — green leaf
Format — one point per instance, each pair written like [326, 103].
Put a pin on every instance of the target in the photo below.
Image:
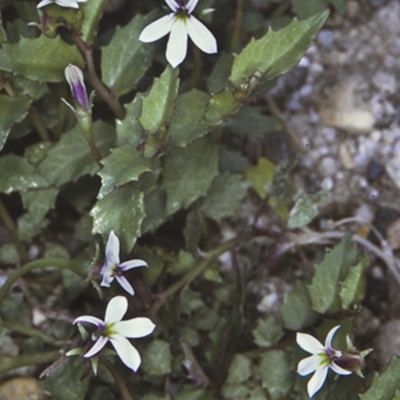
[155, 208]
[157, 358]
[158, 104]
[186, 122]
[188, 173]
[302, 213]
[296, 309]
[275, 53]
[220, 106]
[224, 196]
[71, 157]
[384, 386]
[325, 287]
[129, 130]
[125, 59]
[307, 8]
[122, 211]
[93, 11]
[12, 110]
[18, 175]
[268, 331]
[276, 374]
[39, 202]
[65, 383]
[239, 370]
[353, 288]
[123, 165]
[28, 228]
[220, 73]
[261, 176]
[42, 59]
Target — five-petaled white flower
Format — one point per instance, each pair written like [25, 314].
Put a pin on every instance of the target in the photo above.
[323, 358]
[116, 331]
[61, 3]
[180, 24]
[112, 267]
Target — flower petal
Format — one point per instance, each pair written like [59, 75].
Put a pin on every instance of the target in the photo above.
[309, 343]
[99, 344]
[308, 365]
[116, 309]
[125, 285]
[201, 36]
[157, 29]
[127, 265]
[339, 370]
[330, 335]
[126, 352]
[67, 3]
[108, 277]
[44, 3]
[317, 380]
[191, 5]
[173, 5]
[135, 328]
[89, 319]
[177, 43]
[112, 249]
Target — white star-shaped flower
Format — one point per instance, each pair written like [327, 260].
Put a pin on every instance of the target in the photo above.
[180, 24]
[61, 3]
[116, 331]
[322, 359]
[112, 267]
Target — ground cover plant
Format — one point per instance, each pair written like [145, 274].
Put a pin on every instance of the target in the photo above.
[150, 247]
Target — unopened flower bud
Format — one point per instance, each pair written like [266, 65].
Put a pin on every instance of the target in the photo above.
[74, 77]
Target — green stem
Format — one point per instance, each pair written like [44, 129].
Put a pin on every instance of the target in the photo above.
[73, 265]
[198, 269]
[118, 380]
[94, 150]
[38, 124]
[8, 363]
[238, 25]
[98, 85]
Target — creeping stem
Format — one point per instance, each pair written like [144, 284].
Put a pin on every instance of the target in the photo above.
[72, 265]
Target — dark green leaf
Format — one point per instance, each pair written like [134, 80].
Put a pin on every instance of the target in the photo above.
[186, 122]
[12, 110]
[71, 157]
[220, 73]
[40, 59]
[39, 202]
[157, 358]
[155, 208]
[268, 331]
[93, 11]
[125, 59]
[122, 211]
[189, 172]
[123, 165]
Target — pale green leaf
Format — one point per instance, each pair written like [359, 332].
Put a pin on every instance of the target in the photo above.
[41, 59]
[121, 211]
[220, 106]
[353, 288]
[159, 102]
[123, 165]
[302, 213]
[261, 176]
[275, 53]
[71, 157]
[325, 287]
[268, 331]
[157, 358]
[188, 173]
[384, 386]
[125, 59]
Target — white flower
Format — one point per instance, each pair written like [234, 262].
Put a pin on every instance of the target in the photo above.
[116, 331]
[179, 24]
[323, 358]
[112, 267]
[61, 3]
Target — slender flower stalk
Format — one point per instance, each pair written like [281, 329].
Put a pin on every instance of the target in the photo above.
[61, 3]
[117, 332]
[323, 358]
[112, 267]
[179, 25]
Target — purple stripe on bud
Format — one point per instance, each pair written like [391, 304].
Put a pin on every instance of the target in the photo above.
[74, 77]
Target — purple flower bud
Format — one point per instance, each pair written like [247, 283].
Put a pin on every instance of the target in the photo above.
[74, 77]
